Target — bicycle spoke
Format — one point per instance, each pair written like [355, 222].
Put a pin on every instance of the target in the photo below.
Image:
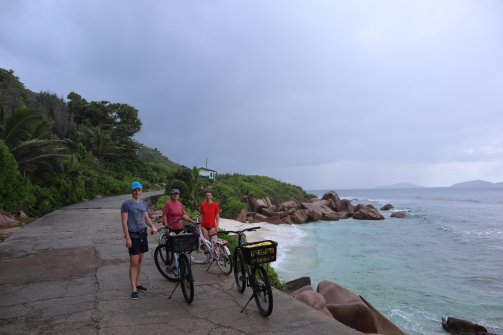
[239, 271]
[187, 281]
[224, 261]
[262, 290]
[163, 264]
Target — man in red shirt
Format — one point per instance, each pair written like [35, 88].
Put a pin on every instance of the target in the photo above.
[209, 216]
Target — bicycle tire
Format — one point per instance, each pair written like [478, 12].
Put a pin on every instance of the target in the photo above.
[162, 241]
[186, 279]
[262, 290]
[162, 262]
[239, 271]
[224, 260]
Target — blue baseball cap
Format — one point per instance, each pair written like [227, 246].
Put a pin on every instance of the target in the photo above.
[175, 191]
[135, 185]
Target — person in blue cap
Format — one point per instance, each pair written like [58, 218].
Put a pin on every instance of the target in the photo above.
[135, 219]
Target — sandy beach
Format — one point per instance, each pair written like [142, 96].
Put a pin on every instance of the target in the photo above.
[287, 236]
[260, 234]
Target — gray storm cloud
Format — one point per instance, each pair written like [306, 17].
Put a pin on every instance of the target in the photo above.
[317, 93]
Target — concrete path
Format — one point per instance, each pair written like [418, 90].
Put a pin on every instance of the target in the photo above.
[67, 273]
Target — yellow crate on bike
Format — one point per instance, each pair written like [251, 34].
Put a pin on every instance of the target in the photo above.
[183, 243]
[259, 252]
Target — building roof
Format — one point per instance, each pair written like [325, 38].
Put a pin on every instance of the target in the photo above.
[206, 169]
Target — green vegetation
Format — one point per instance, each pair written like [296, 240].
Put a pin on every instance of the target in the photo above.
[233, 191]
[56, 152]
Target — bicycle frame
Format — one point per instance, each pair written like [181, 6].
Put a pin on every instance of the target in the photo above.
[214, 248]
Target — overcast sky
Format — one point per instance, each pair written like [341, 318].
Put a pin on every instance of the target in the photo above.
[321, 94]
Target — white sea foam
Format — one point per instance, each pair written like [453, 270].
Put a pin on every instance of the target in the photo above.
[287, 236]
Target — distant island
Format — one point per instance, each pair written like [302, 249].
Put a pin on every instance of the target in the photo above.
[478, 184]
[400, 185]
[473, 184]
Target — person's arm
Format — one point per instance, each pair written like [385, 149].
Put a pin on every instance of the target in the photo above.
[148, 221]
[186, 217]
[124, 217]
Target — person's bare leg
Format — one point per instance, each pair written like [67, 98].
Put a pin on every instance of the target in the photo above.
[138, 272]
[205, 233]
[134, 261]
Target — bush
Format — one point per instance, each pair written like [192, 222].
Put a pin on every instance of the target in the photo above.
[231, 208]
[14, 191]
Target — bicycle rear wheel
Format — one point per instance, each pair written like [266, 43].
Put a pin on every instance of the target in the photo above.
[186, 279]
[262, 290]
[224, 260]
[162, 262]
[239, 271]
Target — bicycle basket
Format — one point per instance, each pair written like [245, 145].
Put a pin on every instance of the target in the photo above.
[183, 243]
[260, 252]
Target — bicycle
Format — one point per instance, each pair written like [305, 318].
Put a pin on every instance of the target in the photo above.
[215, 250]
[175, 248]
[248, 270]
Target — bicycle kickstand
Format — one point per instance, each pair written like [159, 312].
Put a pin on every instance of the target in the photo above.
[212, 260]
[253, 296]
[178, 283]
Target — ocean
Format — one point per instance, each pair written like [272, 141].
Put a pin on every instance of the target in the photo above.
[444, 258]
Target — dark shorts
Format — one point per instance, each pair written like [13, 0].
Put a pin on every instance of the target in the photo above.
[140, 246]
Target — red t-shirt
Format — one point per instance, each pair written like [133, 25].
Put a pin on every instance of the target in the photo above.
[174, 213]
[209, 212]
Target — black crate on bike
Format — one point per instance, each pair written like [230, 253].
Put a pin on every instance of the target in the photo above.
[183, 243]
[259, 252]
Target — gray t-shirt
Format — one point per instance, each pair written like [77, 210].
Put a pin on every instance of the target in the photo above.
[135, 215]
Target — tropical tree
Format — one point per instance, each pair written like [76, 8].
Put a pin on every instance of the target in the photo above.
[191, 185]
[28, 136]
[14, 192]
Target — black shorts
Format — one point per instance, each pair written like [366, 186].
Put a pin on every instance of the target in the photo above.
[140, 246]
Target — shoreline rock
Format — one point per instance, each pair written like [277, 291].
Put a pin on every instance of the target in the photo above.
[343, 305]
[327, 208]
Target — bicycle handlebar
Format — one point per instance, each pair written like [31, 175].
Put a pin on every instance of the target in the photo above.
[239, 232]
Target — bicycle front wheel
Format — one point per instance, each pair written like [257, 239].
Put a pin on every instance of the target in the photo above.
[186, 279]
[262, 290]
[224, 260]
[163, 262]
[239, 271]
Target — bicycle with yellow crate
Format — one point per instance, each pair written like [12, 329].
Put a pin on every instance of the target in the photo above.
[248, 270]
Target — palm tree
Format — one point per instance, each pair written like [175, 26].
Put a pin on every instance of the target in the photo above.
[28, 136]
[191, 185]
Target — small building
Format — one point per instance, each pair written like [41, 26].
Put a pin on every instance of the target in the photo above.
[207, 173]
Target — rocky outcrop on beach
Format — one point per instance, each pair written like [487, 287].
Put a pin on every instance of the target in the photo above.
[399, 214]
[329, 208]
[343, 305]
[460, 326]
[7, 220]
[387, 207]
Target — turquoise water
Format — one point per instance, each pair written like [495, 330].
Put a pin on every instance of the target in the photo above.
[445, 258]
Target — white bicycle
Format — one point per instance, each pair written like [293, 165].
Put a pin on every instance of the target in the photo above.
[214, 251]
